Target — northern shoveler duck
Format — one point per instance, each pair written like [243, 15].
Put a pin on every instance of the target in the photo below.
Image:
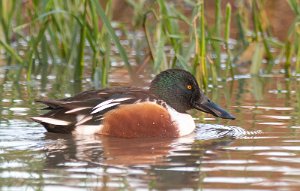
[160, 111]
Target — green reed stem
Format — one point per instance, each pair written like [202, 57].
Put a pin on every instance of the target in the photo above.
[11, 51]
[263, 33]
[113, 35]
[6, 17]
[294, 4]
[107, 42]
[297, 28]
[295, 31]
[203, 47]
[298, 58]
[148, 36]
[218, 22]
[227, 24]
[288, 57]
[171, 28]
[80, 64]
[227, 36]
[159, 50]
[33, 47]
[106, 62]
[242, 24]
[257, 59]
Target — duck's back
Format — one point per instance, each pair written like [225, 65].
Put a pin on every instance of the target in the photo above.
[121, 112]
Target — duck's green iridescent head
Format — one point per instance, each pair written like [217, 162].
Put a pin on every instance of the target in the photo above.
[179, 89]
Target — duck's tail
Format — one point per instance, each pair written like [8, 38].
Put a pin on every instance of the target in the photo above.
[56, 120]
[54, 125]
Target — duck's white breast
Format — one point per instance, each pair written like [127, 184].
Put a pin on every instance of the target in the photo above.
[184, 122]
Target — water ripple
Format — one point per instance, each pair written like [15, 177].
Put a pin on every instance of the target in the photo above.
[213, 131]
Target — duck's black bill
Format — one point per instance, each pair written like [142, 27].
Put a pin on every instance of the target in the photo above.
[208, 106]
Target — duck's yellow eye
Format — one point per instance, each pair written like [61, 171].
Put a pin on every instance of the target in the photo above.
[189, 87]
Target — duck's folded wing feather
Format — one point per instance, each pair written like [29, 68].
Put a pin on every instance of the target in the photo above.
[77, 110]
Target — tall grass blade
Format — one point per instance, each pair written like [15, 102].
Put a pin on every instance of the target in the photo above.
[113, 35]
[200, 68]
[107, 42]
[261, 31]
[34, 46]
[203, 47]
[170, 27]
[229, 66]
[297, 28]
[80, 64]
[12, 52]
[294, 4]
[288, 58]
[218, 23]
[148, 36]
[257, 59]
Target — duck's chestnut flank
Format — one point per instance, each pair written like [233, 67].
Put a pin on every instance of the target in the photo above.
[133, 112]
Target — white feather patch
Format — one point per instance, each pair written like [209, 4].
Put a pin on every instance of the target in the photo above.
[103, 103]
[82, 121]
[87, 129]
[76, 109]
[51, 121]
[79, 117]
[108, 103]
[122, 99]
[104, 107]
[184, 122]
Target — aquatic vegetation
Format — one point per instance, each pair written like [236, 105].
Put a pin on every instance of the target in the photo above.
[82, 39]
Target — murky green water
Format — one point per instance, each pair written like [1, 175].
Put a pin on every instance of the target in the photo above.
[260, 150]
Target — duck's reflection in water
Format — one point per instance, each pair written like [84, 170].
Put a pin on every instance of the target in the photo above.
[137, 151]
[175, 161]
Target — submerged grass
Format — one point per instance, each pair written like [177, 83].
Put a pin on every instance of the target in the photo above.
[79, 37]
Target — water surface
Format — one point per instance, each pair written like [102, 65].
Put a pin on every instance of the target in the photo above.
[260, 150]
